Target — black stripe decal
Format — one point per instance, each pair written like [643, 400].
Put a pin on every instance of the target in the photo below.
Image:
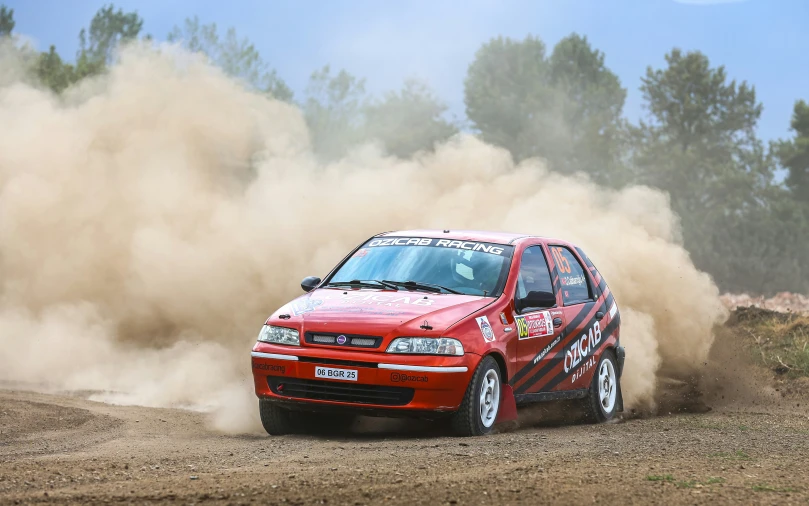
[570, 327]
[605, 335]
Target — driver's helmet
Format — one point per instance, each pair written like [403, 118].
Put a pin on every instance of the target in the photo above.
[475, 270]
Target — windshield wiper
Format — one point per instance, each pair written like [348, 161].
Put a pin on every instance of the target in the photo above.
[419, 285]
[367, 283]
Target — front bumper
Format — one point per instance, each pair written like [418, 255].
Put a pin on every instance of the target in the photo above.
[385, 383]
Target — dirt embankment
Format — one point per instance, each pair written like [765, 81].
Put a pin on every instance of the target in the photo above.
[741, 437]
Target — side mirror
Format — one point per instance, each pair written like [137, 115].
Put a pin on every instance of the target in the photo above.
[539, 300]
[309, 283]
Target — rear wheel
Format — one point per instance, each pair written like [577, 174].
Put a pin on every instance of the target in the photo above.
[276, 420]
[602, 401]
[481, 402]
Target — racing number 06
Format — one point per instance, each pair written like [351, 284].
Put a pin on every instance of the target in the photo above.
[561, 261]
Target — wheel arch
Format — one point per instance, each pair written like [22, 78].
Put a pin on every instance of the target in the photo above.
[501, 364]
[618, 353]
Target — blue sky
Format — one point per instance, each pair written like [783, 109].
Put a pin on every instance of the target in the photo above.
[765, 42]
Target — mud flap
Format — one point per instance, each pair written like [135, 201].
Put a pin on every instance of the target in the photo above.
[620, 356]
[508, 405]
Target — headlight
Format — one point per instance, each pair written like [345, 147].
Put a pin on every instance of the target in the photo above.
[426, 346]
[279, 335]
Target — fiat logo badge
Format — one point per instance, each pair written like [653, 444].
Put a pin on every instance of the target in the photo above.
[341, 339]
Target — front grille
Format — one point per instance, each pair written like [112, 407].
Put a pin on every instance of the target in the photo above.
[331, 361]
[341, 392]
[348, 340]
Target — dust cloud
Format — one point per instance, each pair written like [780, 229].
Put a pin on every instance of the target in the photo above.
[151, 219]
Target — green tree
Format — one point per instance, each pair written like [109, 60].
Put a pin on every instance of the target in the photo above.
[236, 57]
[334, 111]
[108, 29]
[794, 154]
[703, 125]
[565, 108]
[699, 145]
[6, 21]
[52, 72]
[592, 103]
[408, 121]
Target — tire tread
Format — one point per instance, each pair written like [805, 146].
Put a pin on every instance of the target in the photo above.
[465, 422]
[592, 407]
[276, 420]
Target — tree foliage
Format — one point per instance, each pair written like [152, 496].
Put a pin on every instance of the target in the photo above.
[700, 140]
[408, 121]
[565, 108]
[794, 154]
[6, 21]
[108, 29]
[237, 57]
[333, 110]
[699, 145]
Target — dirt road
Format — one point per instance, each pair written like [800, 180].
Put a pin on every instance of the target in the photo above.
[65, 449]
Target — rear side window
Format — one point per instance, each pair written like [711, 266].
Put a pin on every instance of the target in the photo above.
[534, 275]
[572, 277]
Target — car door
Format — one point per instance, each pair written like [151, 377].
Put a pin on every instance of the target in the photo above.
[538, 329]
[574, 360]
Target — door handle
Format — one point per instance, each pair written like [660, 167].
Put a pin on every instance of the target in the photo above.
[599, 316]
[557, 322]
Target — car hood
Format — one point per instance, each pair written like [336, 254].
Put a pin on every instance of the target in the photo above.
[379, 312]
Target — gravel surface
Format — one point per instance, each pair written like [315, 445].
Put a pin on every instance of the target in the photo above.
[65, 449]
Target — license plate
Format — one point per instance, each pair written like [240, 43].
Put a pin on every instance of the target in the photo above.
[336, 374]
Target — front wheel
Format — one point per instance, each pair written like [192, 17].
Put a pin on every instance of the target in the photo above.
[481, 402]
[276, 420]
[602, 401]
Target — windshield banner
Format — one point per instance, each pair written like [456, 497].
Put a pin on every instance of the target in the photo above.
[494, 249]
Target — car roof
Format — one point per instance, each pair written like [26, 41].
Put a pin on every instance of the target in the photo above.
[465, 235]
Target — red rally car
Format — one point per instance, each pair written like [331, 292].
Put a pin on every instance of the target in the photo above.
[430, 323]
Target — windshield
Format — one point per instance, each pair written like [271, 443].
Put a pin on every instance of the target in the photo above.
[471, 268]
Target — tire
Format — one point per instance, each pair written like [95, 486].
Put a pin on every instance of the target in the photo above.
[276, 420]
[481, 402]
[602, 401]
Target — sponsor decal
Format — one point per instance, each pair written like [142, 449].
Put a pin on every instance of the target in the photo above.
[556, 313]
[547, 349]
[582, 347]
[503, 318]
[402, 377]
[591, 362]
[485, 328]
[613, 310]
[539, 324]
[560, 259]
[270, 367]
[378, 299]
[305, 306]
[494, 249]
[363, 310]
[360, 253]
[573, 280]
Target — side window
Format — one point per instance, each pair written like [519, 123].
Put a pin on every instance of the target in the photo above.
[534, 275]
[572, 277]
